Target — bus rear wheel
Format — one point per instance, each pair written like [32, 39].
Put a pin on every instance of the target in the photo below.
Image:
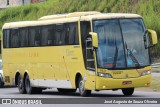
[21, 86]
[29, 88]
[128, 91]
[83, 92]
[61, 90]
[1, 80]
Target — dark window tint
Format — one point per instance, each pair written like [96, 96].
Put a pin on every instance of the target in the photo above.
[14, 38]
[48, 35]
[6, 35]
[72, 31]
[60, 34]
[47, 38]
[34, 36]
[23, 35]
[85, 29]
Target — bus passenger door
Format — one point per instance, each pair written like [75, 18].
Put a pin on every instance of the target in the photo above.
[88, 55]
[90, 65]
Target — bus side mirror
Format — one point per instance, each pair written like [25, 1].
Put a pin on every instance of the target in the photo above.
[153, 35]
[94, 39]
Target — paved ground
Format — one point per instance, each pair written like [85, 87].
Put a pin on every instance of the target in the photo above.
[12, 92]
[156, 74]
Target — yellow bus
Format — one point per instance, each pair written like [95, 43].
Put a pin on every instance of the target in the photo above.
[80, 50]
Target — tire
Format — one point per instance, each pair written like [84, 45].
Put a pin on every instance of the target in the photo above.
[1, 81]
[128, 91]
[21, 86]
[28, 87]
[82, 90]
[65, 91]
[1, 84]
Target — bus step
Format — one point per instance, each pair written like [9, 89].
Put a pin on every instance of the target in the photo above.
[89, 68]
[88, 40]
[90, 60]
[89, 48]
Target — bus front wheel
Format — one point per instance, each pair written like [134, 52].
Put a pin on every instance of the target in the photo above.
[21, 85]
[128, 91]
[83, 92]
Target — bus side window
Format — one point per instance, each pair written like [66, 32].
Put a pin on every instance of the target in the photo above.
[47, 33]
[60, 34]
[37, 40]
[50, 36]
[23, 32]
[31, 37]
[85, 29]
[14, 38]
[72, 31]
[34, 37]
[6, 37]
[44, 38]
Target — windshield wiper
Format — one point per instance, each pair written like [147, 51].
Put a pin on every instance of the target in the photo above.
[134, 59]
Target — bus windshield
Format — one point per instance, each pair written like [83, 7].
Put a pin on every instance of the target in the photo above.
[121, 43]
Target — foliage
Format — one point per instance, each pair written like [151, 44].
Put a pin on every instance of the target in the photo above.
[148, 9]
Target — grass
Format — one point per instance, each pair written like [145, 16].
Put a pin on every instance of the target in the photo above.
[149, 9]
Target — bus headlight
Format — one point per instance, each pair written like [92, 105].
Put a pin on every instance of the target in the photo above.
[145, 73]
[106, 75]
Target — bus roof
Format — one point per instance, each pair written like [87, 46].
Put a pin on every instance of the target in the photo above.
[110, 16]
[70, 17]
[38, 23]
[74, 14]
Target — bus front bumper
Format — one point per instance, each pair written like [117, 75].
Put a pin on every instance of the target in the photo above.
[110, 83]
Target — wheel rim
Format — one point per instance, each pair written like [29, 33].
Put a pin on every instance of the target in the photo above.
[81, 87]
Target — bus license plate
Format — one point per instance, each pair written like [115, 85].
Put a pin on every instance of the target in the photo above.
[126, 82]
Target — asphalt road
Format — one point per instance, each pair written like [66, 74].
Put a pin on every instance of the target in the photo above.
[156, 74]
[12, 92]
